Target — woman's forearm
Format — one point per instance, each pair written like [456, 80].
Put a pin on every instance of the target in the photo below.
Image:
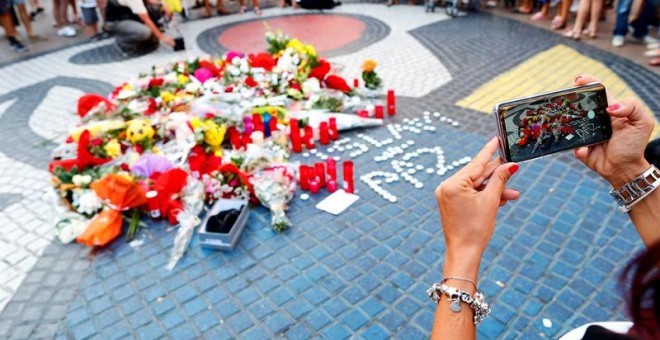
[645, 215]
[449, 324]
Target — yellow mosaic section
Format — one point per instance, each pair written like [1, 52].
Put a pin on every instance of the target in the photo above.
[547, 71]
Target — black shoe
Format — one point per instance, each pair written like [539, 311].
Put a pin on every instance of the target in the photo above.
[17, 46]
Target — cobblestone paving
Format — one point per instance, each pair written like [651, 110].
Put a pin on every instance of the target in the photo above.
[556, 253]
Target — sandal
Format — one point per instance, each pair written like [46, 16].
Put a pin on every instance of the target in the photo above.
[557, 23]
[257, 11]
[518, 10]
[242, 10]
[590, 33]
[654, 62]
[222, 12]
[572, 34]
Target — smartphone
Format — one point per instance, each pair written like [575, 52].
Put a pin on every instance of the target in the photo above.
[179, 44]
[552, 122]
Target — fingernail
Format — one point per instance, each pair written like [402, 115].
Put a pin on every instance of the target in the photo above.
[513, 169]
[576, 79]
[614, 107]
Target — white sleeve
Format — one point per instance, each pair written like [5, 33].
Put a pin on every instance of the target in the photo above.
[136, 6]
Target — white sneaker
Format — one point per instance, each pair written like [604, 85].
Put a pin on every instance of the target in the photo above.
[618, 40]
[649, 40]
[67, 31]
[646, 40]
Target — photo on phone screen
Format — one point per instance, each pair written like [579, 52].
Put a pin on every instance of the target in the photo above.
[562, 120]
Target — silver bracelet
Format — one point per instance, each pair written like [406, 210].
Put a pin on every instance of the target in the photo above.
[637, 189]
[477, 302]
[459, 279]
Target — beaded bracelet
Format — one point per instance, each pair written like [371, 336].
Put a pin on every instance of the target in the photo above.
[477, 302]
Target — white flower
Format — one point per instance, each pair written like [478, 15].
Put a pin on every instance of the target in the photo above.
[181, 67]
[244, 68]
[170, 78]
[310, 86]
[87, 202]
[193, 87]
[70, 226]
[233, 70]
[81, 180]
[236, 60]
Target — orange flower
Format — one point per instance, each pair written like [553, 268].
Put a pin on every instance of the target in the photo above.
[369, 65]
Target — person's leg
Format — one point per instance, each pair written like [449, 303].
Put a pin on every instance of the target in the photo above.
[526, 7]
[207, 8]
[130, 34]
[241, 4]
[57, 14]
[7, 23]
[220, 8]
[596, 7]
[74, 8]
[101, 5]
[255, 3]
[25, 18]
[622, 13]
[646, 19]
[580, 20]
[543, 13]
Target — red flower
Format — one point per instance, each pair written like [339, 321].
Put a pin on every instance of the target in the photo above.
[209, 115]
[139, 149]
[151, 108]
[124, 167]
[229, 89]
[295, 86]
[337, 83]
[262, 60]
[209, 66]
[319, 72]
[249, 81]
[96, 142]
[156, 82]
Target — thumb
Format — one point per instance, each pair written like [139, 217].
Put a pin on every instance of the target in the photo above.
[581, 153]
[498, 180]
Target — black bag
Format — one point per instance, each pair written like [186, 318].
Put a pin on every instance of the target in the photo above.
[317, 4]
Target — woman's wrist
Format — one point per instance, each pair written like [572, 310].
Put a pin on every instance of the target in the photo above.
[631, 171]
[462, 263]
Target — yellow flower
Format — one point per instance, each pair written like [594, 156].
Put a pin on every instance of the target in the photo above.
[97, 128]
[112, 148]
[310, 50]
[297, 46]
[214, 134]
[156, 150]
[128, 86]
[183, 79]
[195, 123]
[369, 65]
[139, 130]
[167, 96]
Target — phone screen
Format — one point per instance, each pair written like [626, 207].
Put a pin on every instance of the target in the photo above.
[545, 124]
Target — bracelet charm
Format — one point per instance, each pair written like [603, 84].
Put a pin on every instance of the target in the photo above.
[637, 189]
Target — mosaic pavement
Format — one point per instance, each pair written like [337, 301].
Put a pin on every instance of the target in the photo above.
[556, 253]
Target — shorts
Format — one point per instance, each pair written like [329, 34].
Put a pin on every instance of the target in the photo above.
[90, 17]
[17, 2]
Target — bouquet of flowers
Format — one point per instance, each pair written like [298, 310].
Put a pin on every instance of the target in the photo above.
[274, 187]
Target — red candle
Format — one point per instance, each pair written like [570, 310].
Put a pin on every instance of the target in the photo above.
[334, 133]
[363, 113]
[348, 176]
[356, 82]
[309, 137]
[314, 187]
[379, 111]
[319, 171]
[391, 103]
[331, 166]
[296, 139]
[152, 204]
[303, 173]
[258, 122]
[325, 133]
[331, 185]
[272, 125]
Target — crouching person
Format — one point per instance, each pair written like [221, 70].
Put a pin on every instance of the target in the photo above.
[134, 24]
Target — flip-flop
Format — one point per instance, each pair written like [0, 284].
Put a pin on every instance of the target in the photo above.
[538, 16]
[517, 10]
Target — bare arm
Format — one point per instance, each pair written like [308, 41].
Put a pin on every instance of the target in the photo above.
[166, 39]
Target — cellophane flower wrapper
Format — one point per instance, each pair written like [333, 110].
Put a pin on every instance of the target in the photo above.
[193, 203]
[275, 187]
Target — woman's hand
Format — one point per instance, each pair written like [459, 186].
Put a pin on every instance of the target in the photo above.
[468, 203]
[620, 159]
